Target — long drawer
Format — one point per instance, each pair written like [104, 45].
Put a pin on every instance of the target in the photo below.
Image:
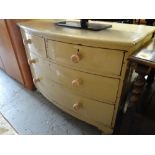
[89, 85]
[93, 110]
[89, 59]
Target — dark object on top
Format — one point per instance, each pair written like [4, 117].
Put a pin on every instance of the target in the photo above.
[84, 24]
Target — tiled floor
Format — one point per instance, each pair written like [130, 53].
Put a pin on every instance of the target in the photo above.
[30, 113]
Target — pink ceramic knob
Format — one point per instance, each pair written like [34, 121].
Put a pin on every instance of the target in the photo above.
[75, 58]
[76, 106]
[76, 82]
[31, 61]
[35, 80]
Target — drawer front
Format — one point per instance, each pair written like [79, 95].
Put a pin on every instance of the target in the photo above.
[89, 59]
[92, 86]
[93, 110]
[39, 68]
[89, 85]
[34, 44]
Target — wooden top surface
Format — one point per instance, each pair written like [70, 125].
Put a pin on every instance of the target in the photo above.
[145, 56]
[120, 36]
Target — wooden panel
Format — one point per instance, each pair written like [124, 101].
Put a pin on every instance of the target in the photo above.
[89, 85]
[7, 53]
[19, 51]
[95, 60]
[34, 44]
[97, 111]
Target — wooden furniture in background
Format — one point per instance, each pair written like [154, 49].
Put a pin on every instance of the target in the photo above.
[12, 53]
[138, 113]
[83, 72]
[144, 64]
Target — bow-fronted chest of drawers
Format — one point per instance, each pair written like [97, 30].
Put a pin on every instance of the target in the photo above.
[82, 72]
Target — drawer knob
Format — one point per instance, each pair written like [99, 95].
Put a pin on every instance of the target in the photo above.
[77, 106]
[76, 82]
[31, 61]
[28, 41]
[35, 80]
[75, 58]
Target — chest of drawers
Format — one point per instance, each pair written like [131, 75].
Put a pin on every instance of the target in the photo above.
[82, 72]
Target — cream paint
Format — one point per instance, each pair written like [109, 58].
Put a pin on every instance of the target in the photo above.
[83, 73]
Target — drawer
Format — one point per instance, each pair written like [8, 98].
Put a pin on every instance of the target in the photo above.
[34, 44]
[39, 67]
[89, 59]
[83, 107]
[89, 85]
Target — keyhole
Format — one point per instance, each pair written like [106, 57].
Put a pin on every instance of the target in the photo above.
[78, 51]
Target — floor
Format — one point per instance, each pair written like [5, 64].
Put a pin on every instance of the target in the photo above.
[5, 127]
[31, 114]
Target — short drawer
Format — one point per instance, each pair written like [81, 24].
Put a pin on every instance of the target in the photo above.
[34, 44]
[83, 107]
[89, 59]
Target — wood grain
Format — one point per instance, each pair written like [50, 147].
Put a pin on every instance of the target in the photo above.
[19, 52]
[7, 53]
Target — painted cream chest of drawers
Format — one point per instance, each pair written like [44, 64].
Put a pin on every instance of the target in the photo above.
[82, 72]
